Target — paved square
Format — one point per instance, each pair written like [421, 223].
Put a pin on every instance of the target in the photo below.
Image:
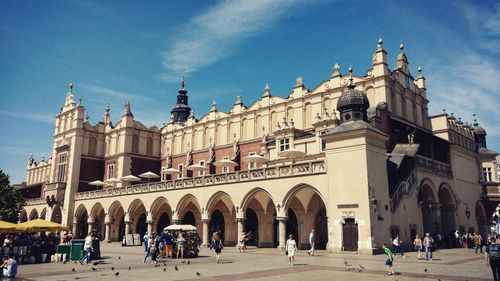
[264, 264]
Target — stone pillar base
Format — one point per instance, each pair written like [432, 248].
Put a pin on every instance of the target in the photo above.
[281, 248]
[205, 245]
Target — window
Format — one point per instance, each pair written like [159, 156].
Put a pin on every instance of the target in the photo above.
[284, 144]
[92, 146]
[135, 144]
[487, 174]
[61, 166]
[202, 172]
[251, 165]
[111, 171]
[225, 169]
[149, 147]
[181, 170]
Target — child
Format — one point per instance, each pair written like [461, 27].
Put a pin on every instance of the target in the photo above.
[388, 261]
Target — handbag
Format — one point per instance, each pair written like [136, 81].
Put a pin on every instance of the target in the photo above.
[286, 253]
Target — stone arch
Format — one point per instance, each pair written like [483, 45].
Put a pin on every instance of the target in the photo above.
[96, 209]
[428, 202]
[23, 215]
[220, 209]
[137, 215]
[116, 214]
[482, 220]
[259, 210]
[310, 210]
[448, 209]
[81, 229]
[43, 213]
[326, 105]
[189, 204]
[161, 213]
[56, 214]
[33, 214]
[273, 120]
[97, 218]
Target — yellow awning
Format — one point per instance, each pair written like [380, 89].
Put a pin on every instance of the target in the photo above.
[39, 225]
[7, 227]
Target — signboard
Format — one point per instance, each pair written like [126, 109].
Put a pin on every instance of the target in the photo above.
[129, 240]
[137, 239]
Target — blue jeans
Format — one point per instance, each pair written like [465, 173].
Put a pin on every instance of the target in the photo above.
[148, 254]
[86, 257]
[428, 252]
[398, 249]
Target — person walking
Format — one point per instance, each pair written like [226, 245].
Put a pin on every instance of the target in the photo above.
[311, 241]
[148, 247]
[389, 260]
[87, 247]
[291, 247]
[397, 246]
[217, 246]
[169, 244]
[417, 243]
[242, 241]
[478, 242]
[493, 254]
[428, 241]
[145, 238]
[9, 266]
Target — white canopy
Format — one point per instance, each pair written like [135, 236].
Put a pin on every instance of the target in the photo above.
[180, 227]
[256, 158]
[291, 153]
[130, 178]
[171, 171]
[225, 163]
[196, 167]
[96, 183]
[149, 175]
[113, 180]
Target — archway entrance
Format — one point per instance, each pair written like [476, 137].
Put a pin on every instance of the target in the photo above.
[292, 226]
[189, 218]
[141, 226]
[82, 228]
[163, 222]
[448, 225]
[217, 224]
[252, 226]
[321, 230]
[350, 235]
[56, 214]
[117, 216]
[482, 220]
[428, 206]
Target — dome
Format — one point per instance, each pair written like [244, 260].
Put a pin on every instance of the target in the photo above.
[352, 99]
[478, 130]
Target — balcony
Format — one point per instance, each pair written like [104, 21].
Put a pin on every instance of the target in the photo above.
[35, 201]
[274, 172]
[433, 165]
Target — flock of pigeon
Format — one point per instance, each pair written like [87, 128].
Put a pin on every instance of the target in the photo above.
[117, 273]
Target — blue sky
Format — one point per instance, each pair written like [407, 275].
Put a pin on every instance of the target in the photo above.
[116, 51]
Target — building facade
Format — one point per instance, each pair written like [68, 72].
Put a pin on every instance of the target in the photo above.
[357, 158]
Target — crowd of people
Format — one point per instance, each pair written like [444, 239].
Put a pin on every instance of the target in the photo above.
[171, 244]
[31, 247]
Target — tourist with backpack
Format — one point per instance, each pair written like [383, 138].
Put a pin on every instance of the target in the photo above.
[493, 252]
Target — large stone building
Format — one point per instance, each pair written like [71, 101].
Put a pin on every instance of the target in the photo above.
[357, 158]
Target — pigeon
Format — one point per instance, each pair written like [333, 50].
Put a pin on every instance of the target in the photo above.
[189, 262]
[176, 268]
[346, 263]
[74, 261]
[95, 263]
[362, 267]
[164, 269]
[94, 269]
[425, 270]
[183, 261]
[164, 263]
[112, 268]
[198, 274]
[65, 261]
[119, 258]
[117, 273]
[129, 268]
[73, 270]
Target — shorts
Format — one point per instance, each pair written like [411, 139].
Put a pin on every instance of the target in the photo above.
[291, 253]
[418, 249]
[388, 262]
[218, 250]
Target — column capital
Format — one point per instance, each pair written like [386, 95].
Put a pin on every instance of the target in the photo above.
[128, 222]
[176, 221]
[107, 222]
[281, 218]
[241, 219]
[206, 220]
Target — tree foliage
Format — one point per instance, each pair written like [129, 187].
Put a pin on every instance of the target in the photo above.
[11, 200]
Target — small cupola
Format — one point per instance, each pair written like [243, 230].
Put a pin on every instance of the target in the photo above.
[353, 104]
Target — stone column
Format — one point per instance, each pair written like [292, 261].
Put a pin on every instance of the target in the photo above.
[205, 238]
[176, 221]
[150, 227]
[107, 232]
[282, 232]
[75, 226]
[127, 227]
[241, 227]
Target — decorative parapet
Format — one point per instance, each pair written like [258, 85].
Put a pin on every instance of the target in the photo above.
[433, 165]
[294, 170]
[35, 201]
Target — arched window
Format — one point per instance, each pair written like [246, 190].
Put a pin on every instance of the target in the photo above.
[258, 126]
[307, 117]
[92, 146]
[149, 146]
[135, 144]
[327, 106]
[274, 120]
[206, 137]
[244, 129]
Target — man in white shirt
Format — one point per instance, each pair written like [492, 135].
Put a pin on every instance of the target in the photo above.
[311, 241]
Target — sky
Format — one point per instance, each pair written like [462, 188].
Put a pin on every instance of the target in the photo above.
[116, 51]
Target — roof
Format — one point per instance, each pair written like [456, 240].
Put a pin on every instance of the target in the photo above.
[352, 97]
[486, 151]
[352, 126]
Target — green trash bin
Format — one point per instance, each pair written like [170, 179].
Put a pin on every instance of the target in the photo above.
[64, 249]
[77, 250]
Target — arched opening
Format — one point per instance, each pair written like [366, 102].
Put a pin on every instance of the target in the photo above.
[482, 220]
[56, 214]
[23, 216]
[149, 146]
[428, 206]
[321, 230]
[292, 226]
[43, 213]
[189, 218]
[117, 216]
[217, 223]
[137, 213]
[163, 222]
[448, 225]
[141, 226]
[252, 226]
[82, 227]
[34, 214]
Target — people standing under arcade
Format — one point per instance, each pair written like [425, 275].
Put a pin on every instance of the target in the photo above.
[291, 247]
[169, 244]
[311, 241]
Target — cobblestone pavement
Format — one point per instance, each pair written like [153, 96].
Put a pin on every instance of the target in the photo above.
[264, 264]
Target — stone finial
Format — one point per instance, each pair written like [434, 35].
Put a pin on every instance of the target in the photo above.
[475, 120]
[238, 101]
[336, 70]
[106, 110]
[380, 42]
[401, 46]
[87, 116]
[71, 86]
[214, 106]
[299, 83]
[127, 111]
[351, 80]
[419, 69]
[267, 91]
[191, 115]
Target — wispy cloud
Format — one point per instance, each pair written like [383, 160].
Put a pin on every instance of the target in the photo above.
[484, 24]
[93, 8]
[114, 93]
[40, 117]
[216, 33]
